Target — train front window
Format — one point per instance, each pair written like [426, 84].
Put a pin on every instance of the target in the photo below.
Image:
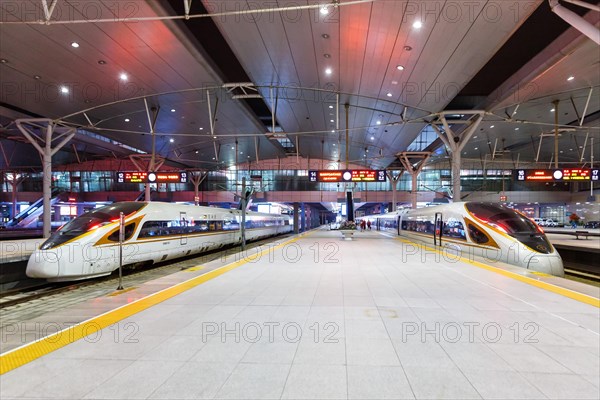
[511, 222]
[90, 221]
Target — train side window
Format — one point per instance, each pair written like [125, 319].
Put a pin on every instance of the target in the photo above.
[454, 229]
[477, 235]
[129, 230]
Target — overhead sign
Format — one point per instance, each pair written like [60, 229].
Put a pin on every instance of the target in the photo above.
[556, 175]
[351, 175]
[152, 177]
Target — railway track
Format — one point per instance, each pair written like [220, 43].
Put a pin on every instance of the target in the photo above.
[130, 276]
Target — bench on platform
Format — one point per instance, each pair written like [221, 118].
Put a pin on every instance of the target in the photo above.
[581, 233]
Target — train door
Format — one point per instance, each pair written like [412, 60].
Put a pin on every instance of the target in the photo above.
[183, 224]
[437, 229]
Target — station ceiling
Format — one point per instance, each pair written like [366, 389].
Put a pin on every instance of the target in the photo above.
[219, 83]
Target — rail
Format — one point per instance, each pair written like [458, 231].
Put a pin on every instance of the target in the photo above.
[574, 233]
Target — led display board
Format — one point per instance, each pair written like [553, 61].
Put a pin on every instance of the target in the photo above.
[556, 175]
[152, 177]
[351, 175]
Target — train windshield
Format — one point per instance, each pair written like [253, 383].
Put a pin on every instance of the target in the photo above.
[89, 221]
[511, 222]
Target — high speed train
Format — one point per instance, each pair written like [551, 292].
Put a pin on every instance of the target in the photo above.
[485, 230]
[88, 246]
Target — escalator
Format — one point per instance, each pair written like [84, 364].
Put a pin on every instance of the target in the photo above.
[28, 218]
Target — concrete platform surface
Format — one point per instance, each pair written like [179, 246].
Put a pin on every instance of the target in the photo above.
[324, 318]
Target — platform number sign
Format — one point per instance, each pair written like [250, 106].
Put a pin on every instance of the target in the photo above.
[596, 174]
[521, 175]
[312, 176]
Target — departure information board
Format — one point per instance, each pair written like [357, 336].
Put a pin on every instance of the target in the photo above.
[556, 175]
[152, 177]
[351, 175]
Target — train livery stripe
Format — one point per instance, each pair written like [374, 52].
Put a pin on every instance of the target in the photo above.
[584, 298]
[31, 351]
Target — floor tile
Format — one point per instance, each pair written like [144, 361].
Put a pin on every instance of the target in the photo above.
[369, 382]
[255, 381]
[316, 382]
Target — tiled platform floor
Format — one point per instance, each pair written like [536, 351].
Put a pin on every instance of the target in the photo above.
[323, 318]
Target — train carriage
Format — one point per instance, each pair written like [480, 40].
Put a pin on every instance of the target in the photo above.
[88, 246]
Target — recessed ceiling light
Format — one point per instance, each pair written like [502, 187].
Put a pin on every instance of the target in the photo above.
[127, 120]
[333, 131]
[400, 67]
[327, 55]
[3, 61]
[570, 149]
[101, 62]
[248, 156]
[378, 122]
[417, 24]
[476, 148]
[172, 110]
[407, 48]
[394, 82]
[74, 45]
[570, 78]
[516, 129]
[330, 106]
[325, 36]
[232, 148]
[389, 94]
[331, 120]
[328, 71]
[334, 144]
[123, 76]
[64, 89]
[171, 140]
[552, 110]
[196, 151]
[324, 10]
[37, 77]
[201, 128]
[561, 151]
[492, 127]
[213, 158]
[241, 152]
[214, 137]
[475, 137]
[372, 137]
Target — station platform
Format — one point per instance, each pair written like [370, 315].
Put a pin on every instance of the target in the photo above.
[318, 317]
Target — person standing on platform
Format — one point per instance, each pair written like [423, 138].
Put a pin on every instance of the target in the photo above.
[369, 224]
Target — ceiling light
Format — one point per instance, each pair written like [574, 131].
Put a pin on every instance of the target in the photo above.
[127, 120]
[64, 89]
[491, 126]
[325, 36]
[37, 77]
[248, 156]
[516, 129]
[171, 140]
[172, 110]
[196, 151]
[101, 62]
[214, 137]
[123, 76]
[417, 24]
[378, 122]
[74, 45]
[407, 48]
[213, 158]
[475, 137]
[330, 106]
[570, 78]
[400, 67]
[372, 137]
[241, 152]
[476, 148]
[552, 110]
[327, 55]
[324, 10]
[3, 61]
[331, 120]
[389, 95]
[201, 128]
[328, 71]
[333, 131]
[334, 144]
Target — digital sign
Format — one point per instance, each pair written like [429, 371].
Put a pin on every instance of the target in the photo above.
[152, 177]
[556, 175]
[351, 175]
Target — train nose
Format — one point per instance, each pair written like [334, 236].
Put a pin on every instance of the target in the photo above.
[43, 264]
[548, 264]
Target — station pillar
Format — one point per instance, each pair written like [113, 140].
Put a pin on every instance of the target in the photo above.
[296, 219]
[39, 132]
[349, 206]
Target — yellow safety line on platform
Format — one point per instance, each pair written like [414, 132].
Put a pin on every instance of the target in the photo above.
[31, 351]
[584, 298]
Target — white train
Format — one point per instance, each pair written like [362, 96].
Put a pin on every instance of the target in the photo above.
[88, 247]
[485, 230]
